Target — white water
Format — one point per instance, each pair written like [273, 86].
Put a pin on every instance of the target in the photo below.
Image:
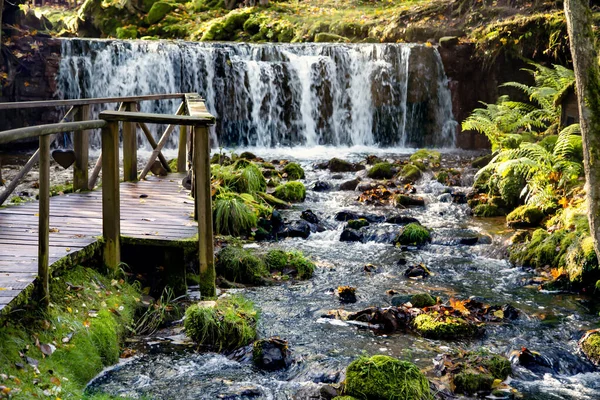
[387, 95]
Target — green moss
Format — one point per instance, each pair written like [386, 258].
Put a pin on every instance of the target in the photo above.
[240, 265]
[227, 324]
[326, 37]
[471, 382]
[291, 191]
[57, 190]
[384, 377]
[381, 170]
[582, 262]
[339, 165]
[276, 260]
[525, 217]
[226, 27]
[410, 173]
[443, 327]
[591, 347]
[93, 337]
[448, 177]
[279, 260]
[500, 367]
[129, 32]
[294, 171]
[357, 223]
[273, 201]
[429, 157]
[413, 234]
[250, 180]
[488, 210]
[158, 11]
[510, 188]
[421, 300]
[173, 165]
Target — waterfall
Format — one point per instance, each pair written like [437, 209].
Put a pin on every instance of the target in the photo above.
[272, 95]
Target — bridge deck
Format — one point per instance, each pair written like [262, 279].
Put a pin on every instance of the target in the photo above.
[158, 208]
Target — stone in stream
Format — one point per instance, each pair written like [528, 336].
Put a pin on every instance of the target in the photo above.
[295, 229]
[337, 176]
[271, 354]
[321, 186]
[350, 185]
[338, 165]
[417, 271]
[349, 215]
[590, 346]
[401, 220]
[347, 294]
[309, 216]
[403, 200]
[351, 235]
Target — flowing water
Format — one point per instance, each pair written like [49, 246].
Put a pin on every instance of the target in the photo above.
[278, 95]
[550, 323]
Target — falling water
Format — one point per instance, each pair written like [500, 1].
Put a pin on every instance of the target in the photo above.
[279, 95]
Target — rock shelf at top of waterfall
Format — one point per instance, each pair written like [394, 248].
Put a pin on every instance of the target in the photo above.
[389, 95]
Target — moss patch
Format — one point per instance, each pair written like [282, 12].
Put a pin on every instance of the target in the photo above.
[411, 173]
[525, 217]
[358, 223]
[421, 300]
[384, 377]
[488, 210]
[382, 170]
[413, 234]
[591, 347]
[228, 323]
[240, 265]
[281, 261]
[291, 191]
[427, 157]
[158, 11]
[443, 327]
[84, 326]
[294, 171]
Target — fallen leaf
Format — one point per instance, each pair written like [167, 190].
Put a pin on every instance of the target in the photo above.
[55, 381]
[47, 349]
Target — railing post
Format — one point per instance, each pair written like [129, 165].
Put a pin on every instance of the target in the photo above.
[111, 209]
[44, 219]
[81, 146]
[201, 165]
[182, 154]
[130, 147]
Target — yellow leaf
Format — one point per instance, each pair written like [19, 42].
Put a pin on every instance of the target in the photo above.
[3, 288]
[86, 323]
[499, 314]
[70, 310]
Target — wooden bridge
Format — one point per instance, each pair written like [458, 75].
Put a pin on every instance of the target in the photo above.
[37, 238]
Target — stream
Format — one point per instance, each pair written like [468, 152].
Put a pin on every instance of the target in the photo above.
[549, 323]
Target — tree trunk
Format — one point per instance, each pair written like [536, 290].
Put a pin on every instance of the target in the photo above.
[587, 75]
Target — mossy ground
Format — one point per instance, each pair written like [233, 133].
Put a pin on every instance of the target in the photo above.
[228, 324]
[384, 377]
[86, 321]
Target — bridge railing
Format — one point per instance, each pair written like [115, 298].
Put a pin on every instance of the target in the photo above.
[197, 117]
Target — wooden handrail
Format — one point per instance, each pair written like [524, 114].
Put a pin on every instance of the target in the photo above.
[200, 119]
[43, 130]
[81, 102]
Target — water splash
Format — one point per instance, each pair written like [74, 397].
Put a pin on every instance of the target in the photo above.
[279, 95]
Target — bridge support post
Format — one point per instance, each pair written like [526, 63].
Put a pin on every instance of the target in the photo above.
[111, 209]
[182, 154]
[81, 146]
[44, 220]
[129, 147]
[203, 210]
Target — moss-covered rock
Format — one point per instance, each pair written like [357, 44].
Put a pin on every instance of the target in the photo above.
[339, 165]
[281, 261]
[158, 11]
[510, 188]
[475, 372]
[410, 173]
[326, 37]
[590, 345]
[471, 382]
[413, 234]
[384, 377]
[228, 323]
[525, 217]
[421, 300]
[488, 210]
[448, 177]
[240, 265]
[225, 28]
[291, 191]
[404, 200]
[443, 327]
[382, 170]
[127, 32]
[582, 263]
[482, 161]
[294, 171]
[358, 223]
[428, 157]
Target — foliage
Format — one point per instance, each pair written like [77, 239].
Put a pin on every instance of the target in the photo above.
[227, 324]
[384, 377]
[232, 216]
[291, 191]
[72, 341]
[160, 312]
[294, 171]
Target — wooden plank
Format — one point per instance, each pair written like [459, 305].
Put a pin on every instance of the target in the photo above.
[110, 196]
[81, 102]
[49, 129]
[129, 147]
[81, 146]
[199, 119]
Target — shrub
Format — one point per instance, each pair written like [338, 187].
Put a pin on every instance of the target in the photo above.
[226, 324]
[294, 171]
[291, 191]
[384, 377]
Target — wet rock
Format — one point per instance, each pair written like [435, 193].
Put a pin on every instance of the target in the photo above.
[510, 312]
[400, 299]
[403, 200]
[373, 159]
[349, 215]
[531, 360]
[248, 155]
[347, 294]
[350, 185]
[370, 268]
[271, 354]
[448, 42]
[240, 392]
[357, 223]
[468, 241]
[402, 261]
[337, 165]
[329, 391]
[309, 216]
[417, 271]
[445, 198]
[337, 176]
[459, 198]
[363, 187]
[383, 170]
[294, 229]
[321, 186]
[590, 346]
[421, 300]
[482, 161]
[433, 327]
[351, 235]
[401, 220]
